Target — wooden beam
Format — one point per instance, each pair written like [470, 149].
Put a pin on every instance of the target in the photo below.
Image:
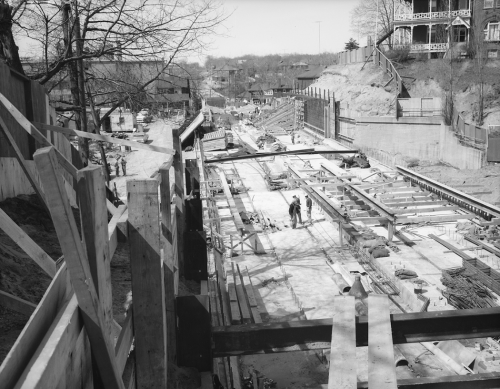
[169, 263]
[342, 373]
[113, 230]
[94, 219]
[180, 206]
[34, 331]
[19, 156]
[424, 210]
[433, 219]
[78, 266]
[406, 328]
[381, 368]
[27, 244]
[33, 131]
[104, 138]
[49, 362]
[148, 285]
[404, 203]
[124, 342]
[16, 304]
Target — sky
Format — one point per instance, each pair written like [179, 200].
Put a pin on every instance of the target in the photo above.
[264, 27]
[283, 26]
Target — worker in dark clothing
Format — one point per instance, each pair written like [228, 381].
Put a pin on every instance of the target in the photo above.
[292, 210]
[309, 205]
[297, 208]
[117, 169]
[124, 166]
[293, 137]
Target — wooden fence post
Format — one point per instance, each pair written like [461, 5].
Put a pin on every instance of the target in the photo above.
[94, 218]
[179, 200]
[76, 259]
[148, 288]
[169, 265]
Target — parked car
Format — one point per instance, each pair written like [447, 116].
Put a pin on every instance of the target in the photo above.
[144, 117]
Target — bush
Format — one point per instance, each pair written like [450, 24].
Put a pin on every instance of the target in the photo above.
[399, 55]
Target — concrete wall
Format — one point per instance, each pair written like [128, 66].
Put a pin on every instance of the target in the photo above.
[396, 141]
[411, 137]
[456, 154]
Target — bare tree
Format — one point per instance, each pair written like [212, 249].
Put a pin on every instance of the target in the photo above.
[370, 15]
[69, 34]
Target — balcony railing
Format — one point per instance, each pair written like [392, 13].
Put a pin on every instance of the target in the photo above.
[424, 47]
[433, 15]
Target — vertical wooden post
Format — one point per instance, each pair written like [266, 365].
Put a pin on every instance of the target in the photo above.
[148, 287]
[390, 231]
[168, 266]
[94, 217]
[341, 237]
[179, 200]
[76, 259]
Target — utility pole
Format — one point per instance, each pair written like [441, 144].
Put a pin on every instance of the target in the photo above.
[319, 36]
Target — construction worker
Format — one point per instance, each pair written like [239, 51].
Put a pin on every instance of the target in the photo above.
[293, 137]
[309, 205]
[293, 214]
[297, 208]
[124, 166]
[117, 169]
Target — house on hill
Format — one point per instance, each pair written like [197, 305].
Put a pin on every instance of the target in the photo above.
[261, 93]
[309, 77]
[432, 26]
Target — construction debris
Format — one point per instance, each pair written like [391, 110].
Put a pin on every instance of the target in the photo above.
[464, 291]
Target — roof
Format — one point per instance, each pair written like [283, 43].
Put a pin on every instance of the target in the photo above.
[281, 86]
[260, 87]
[170, 98]
[244, 95]
[172, 82]
[299, 64]
[226, 68]
[311, 73]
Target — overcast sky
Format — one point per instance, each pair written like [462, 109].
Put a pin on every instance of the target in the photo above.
[283, 26]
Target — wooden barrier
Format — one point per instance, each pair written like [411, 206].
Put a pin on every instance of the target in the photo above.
[148, 288]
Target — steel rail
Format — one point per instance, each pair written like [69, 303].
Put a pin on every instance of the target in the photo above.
[455, 196]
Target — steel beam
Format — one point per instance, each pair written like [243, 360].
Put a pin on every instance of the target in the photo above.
[406, 328]
[476, 381]
[478, 206]
[291, 152]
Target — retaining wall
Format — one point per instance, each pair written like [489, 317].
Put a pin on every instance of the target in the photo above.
[395, 141]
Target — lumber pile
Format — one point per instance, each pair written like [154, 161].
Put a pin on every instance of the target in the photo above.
[216, 140]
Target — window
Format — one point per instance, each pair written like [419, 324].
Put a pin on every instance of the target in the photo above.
[492, 53]
[492, 31]
[459, 34]
[488, 3]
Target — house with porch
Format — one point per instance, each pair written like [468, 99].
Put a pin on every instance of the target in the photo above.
[428, 26]
[432, 26]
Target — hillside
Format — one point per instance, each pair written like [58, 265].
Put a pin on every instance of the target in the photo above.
[432, 78]
[365, 91]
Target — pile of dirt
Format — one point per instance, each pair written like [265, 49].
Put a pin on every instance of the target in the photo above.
[366, 91]
[19, 274]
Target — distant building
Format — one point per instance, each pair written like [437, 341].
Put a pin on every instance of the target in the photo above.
[261, 93]
[309, 77]
[299, 65]
[486, 19]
